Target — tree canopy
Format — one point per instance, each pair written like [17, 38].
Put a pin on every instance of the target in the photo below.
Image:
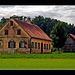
[58, 35]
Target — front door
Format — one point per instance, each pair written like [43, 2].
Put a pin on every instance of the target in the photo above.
[41, 47]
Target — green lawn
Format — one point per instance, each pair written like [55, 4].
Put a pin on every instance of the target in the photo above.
[37, 63]
[52, 55]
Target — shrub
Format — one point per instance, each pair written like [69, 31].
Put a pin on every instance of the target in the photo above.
[59, 49]
[54, 49]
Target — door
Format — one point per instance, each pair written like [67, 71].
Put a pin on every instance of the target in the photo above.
[41, 47]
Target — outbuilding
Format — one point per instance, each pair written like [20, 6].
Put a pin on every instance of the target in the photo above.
[69, 44]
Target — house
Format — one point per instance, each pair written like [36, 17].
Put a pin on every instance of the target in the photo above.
[23, 37]
[69, 44]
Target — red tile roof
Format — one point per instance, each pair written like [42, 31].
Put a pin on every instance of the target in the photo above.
[33, 30]
[73, 36]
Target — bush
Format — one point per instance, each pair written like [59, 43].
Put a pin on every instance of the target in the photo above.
[59, 49]
[54, 49]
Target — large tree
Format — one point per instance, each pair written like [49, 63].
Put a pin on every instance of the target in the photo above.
[58, 35]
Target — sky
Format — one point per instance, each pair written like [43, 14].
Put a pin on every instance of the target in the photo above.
[64, 13]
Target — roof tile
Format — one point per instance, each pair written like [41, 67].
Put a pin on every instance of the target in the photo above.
[33, 30]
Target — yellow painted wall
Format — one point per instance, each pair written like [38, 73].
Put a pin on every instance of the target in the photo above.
[15, 40]
[41, 41]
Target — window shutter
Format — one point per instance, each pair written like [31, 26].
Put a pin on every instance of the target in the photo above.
[19, 45]
[14, 44]
[8, 44]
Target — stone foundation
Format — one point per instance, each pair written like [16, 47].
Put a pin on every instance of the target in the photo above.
[26, 51]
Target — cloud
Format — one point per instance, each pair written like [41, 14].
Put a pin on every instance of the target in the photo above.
[64, 13]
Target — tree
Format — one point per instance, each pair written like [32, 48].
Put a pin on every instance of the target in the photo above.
[3, 20]
[25, 18]
[28, 18]
[58, 35]
[38, 20]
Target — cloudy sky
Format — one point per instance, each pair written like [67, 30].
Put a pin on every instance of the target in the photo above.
[64, 13]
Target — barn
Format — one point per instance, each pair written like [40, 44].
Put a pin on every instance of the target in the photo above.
[23, 37]
[69, 44]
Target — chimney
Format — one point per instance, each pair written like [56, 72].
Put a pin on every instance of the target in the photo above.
[28, 21]
[16, 18]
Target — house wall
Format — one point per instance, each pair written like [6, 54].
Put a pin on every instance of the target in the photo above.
[36, 50]
[5, 47]
[25, 50]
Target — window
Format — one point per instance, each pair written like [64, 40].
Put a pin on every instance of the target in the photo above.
[38, 45]
[22, 45]
[32, 44]
[11, 23]
[49, 46]
[11, 44]
[18, 32]
[44, 46]
[35, 44]
[6, 32]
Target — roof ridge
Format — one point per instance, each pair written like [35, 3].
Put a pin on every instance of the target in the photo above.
[72, 35]
[23, 22]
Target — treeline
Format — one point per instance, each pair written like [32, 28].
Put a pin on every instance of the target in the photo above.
[57, 30]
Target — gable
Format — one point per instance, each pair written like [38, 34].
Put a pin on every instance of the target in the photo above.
[12, 30]
[70, 40]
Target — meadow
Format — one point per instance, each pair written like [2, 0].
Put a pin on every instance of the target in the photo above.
[37, 61]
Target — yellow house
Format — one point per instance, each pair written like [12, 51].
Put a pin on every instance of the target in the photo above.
[22, 37]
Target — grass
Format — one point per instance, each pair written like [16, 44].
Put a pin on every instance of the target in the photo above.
[52, 55]
[37, 63]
